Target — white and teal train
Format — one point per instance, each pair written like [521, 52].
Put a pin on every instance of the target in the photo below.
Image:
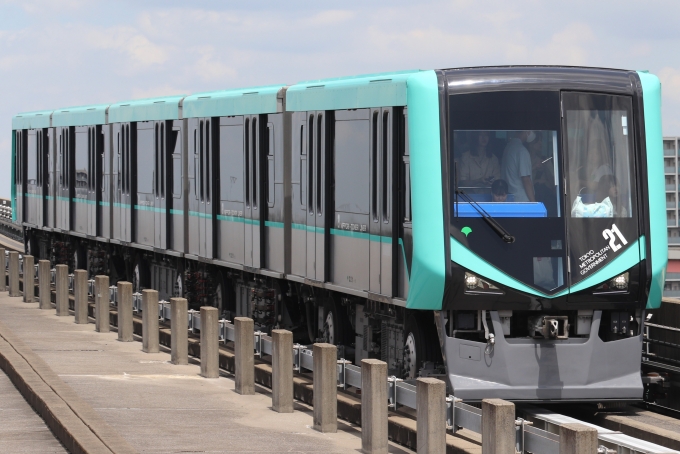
[504, 226]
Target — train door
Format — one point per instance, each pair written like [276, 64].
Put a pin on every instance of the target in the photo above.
[64, 158]
[32, 204]
[104, 204]
[50, 186]
[21, 139]
[201, 209]
[298, 260]
[381, 183]
[316, 195]
[252, 179]
[160, 181]
[233, 151]
[147, 182]
[176, 194]
[93, 193]
[125, 205]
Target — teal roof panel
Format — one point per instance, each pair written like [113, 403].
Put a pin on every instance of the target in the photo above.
[355, 92]
[242, 101]
[80, 116]
[166, 108]
[32, 120]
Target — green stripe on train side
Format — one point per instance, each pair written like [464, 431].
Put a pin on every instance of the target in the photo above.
[198, 214]
[177, 212]
[308, 228]
[121, 205]
[104, 204]
[278, 225]
[84, 201]
[147, 208]
[658, 235]
[428, 267]
[238, 219]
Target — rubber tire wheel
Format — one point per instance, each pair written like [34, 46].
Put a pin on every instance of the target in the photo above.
[80, 258]
[221, 285]
[425, 338]
[181, 276]
[143, 275]
[340, 322]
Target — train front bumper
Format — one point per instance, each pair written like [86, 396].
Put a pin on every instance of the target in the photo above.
[576, 369]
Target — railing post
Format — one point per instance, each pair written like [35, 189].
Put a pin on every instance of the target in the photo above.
[29, 279]
[80, 296]
[3, 272]
[244, 355]
[44, 284]
[14, 274]
[325, 388]
[61, 288]
[373, 406]
[431, 415]
[577, 439]
[282, 371]
[179, 339]
[150, 342]
[498, 427]
[101, 304]
[210, 342]
[124, 311]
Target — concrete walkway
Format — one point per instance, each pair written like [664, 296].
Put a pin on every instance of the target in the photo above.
[159, 407]
[21, 429]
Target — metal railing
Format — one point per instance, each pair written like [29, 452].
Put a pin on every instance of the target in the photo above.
[528, 437]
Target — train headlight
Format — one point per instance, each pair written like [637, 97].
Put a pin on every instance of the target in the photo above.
[620, 282]
[475, 284]
[471, 281]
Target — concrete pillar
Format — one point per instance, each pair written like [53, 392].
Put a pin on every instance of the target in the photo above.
[101, 304]
[244, 355]
[373, 406]
[210, 342]
[431, 415]
[14, 274]
[325, 388]
[577, 439]
[282, 371]
[498, 427]
[45, 284]
[125, 329]
[3, 273]
[150, 321]
[80, 295]
[29, 279]
[61, 287]
[179, 325]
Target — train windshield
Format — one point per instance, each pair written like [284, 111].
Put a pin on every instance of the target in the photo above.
[509, 164]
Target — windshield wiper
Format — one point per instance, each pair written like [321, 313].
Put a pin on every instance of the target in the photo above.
[502, 233]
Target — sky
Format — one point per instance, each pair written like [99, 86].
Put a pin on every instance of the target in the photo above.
[57, 54]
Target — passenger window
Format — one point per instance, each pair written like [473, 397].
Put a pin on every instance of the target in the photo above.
[351, 166]
[231, 163]
[270, 165]
[145, 147]
[177, 163]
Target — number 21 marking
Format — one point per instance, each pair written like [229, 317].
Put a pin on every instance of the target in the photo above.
[609, 235]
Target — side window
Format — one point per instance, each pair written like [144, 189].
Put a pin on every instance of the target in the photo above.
[31, 158]
[145, 148]
[351, 164]
[176, 163]
[271, 175]
[231, 163]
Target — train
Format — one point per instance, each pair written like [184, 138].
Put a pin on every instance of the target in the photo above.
[502, 228]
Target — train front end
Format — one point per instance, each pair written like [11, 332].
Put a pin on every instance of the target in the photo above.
[554, 217]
